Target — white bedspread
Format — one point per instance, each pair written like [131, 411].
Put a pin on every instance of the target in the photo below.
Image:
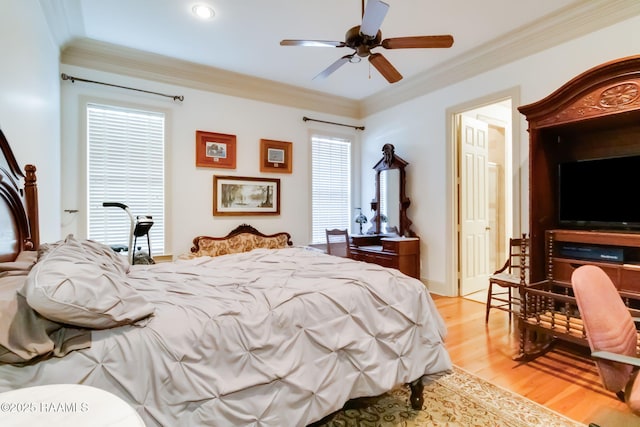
[264, 338]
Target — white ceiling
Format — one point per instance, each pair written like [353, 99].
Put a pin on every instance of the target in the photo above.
[244, 36]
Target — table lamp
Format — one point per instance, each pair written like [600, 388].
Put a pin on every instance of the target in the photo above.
[360, 219]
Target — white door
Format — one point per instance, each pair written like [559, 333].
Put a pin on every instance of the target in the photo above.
[474, 221]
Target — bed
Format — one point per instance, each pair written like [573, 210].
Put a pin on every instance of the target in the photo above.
[268, 337]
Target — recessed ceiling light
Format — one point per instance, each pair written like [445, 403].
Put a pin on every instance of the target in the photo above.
[203, 11]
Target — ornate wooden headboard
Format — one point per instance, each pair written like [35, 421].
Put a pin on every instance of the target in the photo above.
[18, 206]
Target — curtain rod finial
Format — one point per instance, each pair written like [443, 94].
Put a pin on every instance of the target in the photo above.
[67, 77]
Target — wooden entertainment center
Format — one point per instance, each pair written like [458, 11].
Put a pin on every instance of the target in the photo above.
[595, 115]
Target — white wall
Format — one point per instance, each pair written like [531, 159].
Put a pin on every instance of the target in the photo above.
[190, 189]
[30, 102]
[30, 118]
[418, 129]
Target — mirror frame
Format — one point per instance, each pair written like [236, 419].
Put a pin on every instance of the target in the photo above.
[390, 161]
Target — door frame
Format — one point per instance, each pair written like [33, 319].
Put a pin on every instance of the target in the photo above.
[519, 173]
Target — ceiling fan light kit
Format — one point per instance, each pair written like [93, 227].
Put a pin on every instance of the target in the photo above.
[367, 36]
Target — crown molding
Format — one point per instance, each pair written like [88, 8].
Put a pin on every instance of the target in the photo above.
[150, 66]
[566, 24]
[569, 23]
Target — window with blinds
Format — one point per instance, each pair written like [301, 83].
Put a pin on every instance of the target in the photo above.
[125, 164]
[331, 185]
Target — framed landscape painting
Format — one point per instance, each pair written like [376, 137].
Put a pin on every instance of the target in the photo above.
[237, 195]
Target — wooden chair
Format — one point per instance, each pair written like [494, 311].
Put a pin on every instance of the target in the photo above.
[338, 242]
[611, 332]
[509, 278]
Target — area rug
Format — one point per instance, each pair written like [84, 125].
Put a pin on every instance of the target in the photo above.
[457, 399]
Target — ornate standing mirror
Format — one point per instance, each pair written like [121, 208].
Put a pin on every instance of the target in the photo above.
[390, 203]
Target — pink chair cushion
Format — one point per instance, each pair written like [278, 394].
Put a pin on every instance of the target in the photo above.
[607, 322]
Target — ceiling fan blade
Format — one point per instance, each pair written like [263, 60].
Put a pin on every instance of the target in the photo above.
[312, 43]
[333, 67]
[385, 68]
[374, 13]
[418, 42]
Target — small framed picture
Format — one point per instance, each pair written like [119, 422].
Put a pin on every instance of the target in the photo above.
[215, 150]
[237, 195]
[275, 156]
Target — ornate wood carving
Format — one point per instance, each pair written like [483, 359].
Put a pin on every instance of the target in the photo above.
[610, 88]
[611, 99]
[31, 200]
[390, 161]
[19, 206]
[242, 228]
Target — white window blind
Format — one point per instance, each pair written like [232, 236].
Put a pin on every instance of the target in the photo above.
[125, 149]
[331, 185]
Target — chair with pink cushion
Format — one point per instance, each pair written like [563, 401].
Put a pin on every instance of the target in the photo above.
[611, 333]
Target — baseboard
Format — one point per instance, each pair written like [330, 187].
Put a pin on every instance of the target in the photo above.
[438, 288]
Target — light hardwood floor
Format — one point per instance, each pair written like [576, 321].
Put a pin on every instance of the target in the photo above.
[564, 379]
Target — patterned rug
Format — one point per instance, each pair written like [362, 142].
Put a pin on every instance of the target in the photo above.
[458, 399]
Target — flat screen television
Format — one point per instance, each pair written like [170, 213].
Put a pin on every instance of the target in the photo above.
[600, 193]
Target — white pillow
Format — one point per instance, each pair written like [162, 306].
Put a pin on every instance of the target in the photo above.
[84, 283]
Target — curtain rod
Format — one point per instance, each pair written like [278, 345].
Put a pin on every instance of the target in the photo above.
[307, 119]
[73, 80]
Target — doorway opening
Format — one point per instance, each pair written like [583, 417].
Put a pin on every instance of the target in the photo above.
[485, 189]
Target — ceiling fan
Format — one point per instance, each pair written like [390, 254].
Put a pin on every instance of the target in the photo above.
[367, 36]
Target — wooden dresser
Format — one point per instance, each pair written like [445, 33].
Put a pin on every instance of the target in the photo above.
[402, 253]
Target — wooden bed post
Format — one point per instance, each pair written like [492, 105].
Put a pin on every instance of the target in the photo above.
[31, 197]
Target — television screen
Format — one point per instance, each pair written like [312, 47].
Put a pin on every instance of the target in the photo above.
[600, 193]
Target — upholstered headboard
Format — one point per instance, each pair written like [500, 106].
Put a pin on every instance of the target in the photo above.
[243, 238]
[18, 205]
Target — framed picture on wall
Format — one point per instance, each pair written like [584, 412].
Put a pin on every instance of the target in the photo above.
[237, 195]
[275, 156]
[215, 150]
